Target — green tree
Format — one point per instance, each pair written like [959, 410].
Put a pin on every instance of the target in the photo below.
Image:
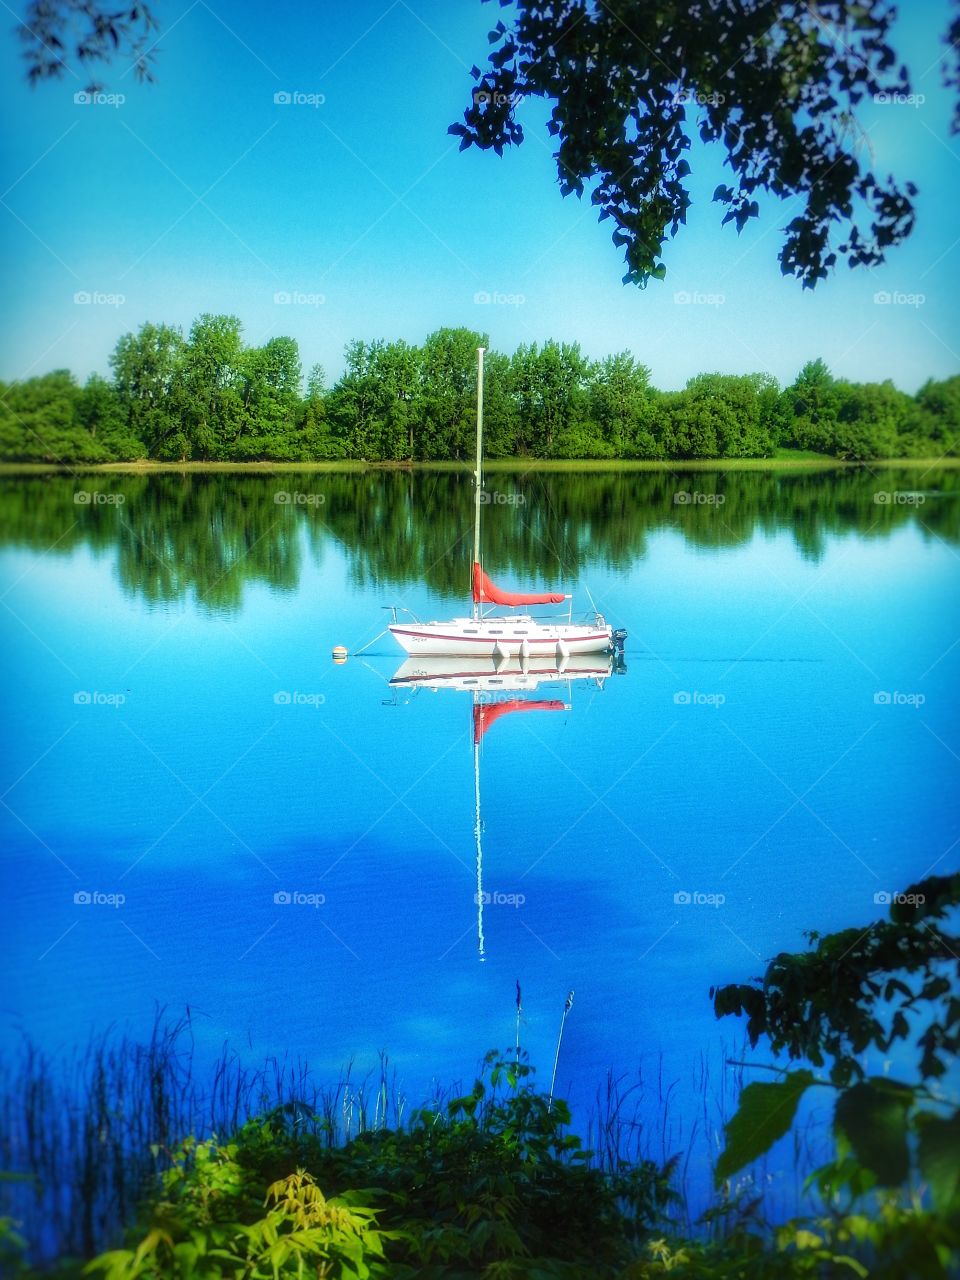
[550, 387]
[313, 424]
[147, 374]
[449, 395]
[100, 412]
[270, 378]
[39, 421]
[812, 406]
[621, 406]
[212, 378]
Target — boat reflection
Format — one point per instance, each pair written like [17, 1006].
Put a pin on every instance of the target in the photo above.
[484, 675]
[494, 687]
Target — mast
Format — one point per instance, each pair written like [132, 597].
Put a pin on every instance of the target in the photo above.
[477, 476]
[477, 829]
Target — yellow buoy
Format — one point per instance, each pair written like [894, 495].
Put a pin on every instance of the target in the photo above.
[339, 654]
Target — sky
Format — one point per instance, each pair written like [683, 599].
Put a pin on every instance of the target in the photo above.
[349, 212]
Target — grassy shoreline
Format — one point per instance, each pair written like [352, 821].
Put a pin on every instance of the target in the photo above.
[807, 463]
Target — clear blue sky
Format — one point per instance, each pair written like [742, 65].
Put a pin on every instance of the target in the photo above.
[200, 194]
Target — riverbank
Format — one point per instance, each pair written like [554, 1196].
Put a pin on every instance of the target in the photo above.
[811, 462]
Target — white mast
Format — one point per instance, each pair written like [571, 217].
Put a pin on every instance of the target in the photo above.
[477, 476]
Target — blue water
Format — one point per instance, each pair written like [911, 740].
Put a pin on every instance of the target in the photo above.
[743, 754]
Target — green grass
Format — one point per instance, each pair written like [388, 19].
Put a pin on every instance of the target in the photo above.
[784, 460]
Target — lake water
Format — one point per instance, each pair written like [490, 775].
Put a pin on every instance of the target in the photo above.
[781, 748]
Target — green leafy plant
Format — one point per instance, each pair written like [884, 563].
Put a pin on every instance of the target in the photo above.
[893, 1182]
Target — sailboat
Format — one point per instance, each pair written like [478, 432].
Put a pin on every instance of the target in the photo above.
[503, 636]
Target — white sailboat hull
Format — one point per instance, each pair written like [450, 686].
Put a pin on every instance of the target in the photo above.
[516, 636]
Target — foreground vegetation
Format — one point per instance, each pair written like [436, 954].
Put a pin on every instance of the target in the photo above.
[208, 397]
[494, 1183]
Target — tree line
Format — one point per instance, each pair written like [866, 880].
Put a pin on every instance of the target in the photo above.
[210, 397]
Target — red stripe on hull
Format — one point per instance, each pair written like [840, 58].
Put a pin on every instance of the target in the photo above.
[514, 640]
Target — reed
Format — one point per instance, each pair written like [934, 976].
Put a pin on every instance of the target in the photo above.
[556, 1060]
[86, 1138]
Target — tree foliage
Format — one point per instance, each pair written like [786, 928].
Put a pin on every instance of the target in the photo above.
[56, 33]
[209, 397]
[773, 85]
[892, 983]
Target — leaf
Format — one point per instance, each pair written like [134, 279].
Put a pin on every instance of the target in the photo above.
[807, 1239]
[937, 1154]
[873, 1116]
[765, 1114]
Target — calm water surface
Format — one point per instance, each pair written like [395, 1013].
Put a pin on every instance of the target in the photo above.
[784, 741]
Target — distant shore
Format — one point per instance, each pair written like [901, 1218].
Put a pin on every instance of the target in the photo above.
[804, 463]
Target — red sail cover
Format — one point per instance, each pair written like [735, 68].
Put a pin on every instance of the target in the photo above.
[484, 592]
[485, 713]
